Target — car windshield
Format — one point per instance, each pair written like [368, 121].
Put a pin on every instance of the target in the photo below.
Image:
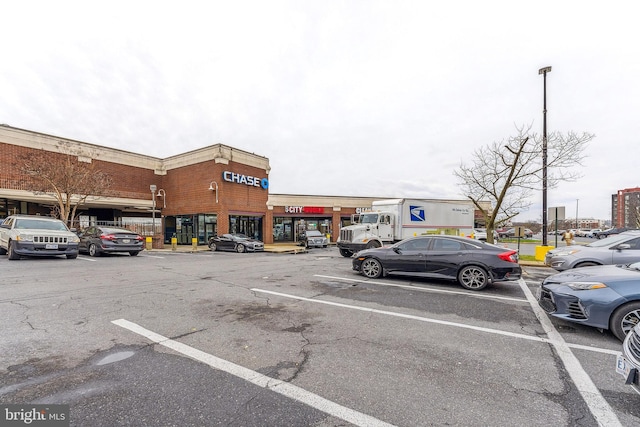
[608, 241]
[241, 236]
[39, 224]
[370, 218]
[313, 233]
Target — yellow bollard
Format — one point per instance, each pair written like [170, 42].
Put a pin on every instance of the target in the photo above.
[149, 241]
[194, 243]
[541, 252]
[174, 243]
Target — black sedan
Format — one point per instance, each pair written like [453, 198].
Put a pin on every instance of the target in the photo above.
[474, 264]
[235, 242]
[100, 240]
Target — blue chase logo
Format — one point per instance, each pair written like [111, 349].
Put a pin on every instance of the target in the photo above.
[417, 213]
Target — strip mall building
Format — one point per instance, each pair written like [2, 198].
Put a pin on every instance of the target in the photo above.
[212, 190]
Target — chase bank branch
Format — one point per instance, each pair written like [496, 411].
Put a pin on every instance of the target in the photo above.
[194, 195]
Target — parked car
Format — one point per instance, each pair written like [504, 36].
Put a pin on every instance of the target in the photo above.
[622, 248]
[605, 297]
[511, 232]
[34, 235]
[592, 233]
[99, 240]
[313, 239]
[481, 234]
[628, 363]
[612, 231]
[474, 264]
[235, 242]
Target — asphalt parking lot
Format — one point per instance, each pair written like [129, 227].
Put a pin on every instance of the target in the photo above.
[294, 339]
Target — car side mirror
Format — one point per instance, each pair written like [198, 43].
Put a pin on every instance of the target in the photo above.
[622, 246]
[396, 250]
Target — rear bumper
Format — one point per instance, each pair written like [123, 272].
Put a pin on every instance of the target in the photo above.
[122, 248]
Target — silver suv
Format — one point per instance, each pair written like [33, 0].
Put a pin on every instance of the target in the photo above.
[33, 235]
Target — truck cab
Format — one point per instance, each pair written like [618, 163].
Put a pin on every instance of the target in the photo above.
[372, 230]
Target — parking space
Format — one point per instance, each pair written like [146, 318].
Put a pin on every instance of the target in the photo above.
[333, 347]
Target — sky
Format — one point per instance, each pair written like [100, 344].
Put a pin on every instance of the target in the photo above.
[346, 98]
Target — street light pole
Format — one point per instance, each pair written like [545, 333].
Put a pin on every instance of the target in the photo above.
[153, 188]
[544, 72]
[577, 200]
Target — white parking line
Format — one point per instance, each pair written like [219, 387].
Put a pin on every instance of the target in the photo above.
[278, 386]
[587, 389]
[406, 316]
[87, 259]
[597, 404]
[420, 288]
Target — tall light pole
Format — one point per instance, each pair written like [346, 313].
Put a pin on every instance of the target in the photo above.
[577, 200]
[544, 72]
[153, 188]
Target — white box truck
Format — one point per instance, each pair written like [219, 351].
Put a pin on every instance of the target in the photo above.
[396, 219]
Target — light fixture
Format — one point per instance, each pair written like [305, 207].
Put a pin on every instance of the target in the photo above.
[163, 194]
[213, 186]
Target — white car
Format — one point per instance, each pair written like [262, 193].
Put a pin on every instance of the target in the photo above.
[628, 363]
[481, 234]
[34, 235]
[592, 233]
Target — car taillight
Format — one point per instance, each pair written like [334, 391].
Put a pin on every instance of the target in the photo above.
[510, 256]
[107, 237]
[139, 238]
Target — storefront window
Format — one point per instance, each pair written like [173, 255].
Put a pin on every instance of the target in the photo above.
[248, 225]
[288, 229]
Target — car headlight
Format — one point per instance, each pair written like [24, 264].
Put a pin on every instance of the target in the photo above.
[586, 286]
[24, 238]
[73, 239]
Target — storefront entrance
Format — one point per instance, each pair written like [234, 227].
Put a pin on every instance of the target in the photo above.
[187, 227]
[288, 229]
[248, 225]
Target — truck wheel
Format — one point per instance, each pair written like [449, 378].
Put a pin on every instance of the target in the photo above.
[624, 319]
[373, 244]
[473, 278]
[3, 251]
[346, 253]
[12, 254]
[371, 268]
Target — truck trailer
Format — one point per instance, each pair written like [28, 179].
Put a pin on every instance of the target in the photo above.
[393, 220]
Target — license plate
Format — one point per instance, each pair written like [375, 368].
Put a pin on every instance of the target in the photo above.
[125, 240]
[51, 246]
[622, 366]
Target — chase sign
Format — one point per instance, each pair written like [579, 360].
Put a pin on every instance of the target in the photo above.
[252, 181]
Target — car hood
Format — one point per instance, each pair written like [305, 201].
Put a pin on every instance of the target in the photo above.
[603, 273]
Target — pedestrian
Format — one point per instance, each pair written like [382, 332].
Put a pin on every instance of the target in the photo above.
[567, 236]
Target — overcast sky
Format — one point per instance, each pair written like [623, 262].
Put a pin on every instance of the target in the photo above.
[353, 98]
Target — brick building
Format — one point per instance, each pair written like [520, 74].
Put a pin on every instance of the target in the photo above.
[625, 208]
[215, 189]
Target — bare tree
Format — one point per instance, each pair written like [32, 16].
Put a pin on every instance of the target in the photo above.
[68, 176]
[507, 173]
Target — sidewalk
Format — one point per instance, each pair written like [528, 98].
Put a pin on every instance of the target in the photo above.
[281, 248]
